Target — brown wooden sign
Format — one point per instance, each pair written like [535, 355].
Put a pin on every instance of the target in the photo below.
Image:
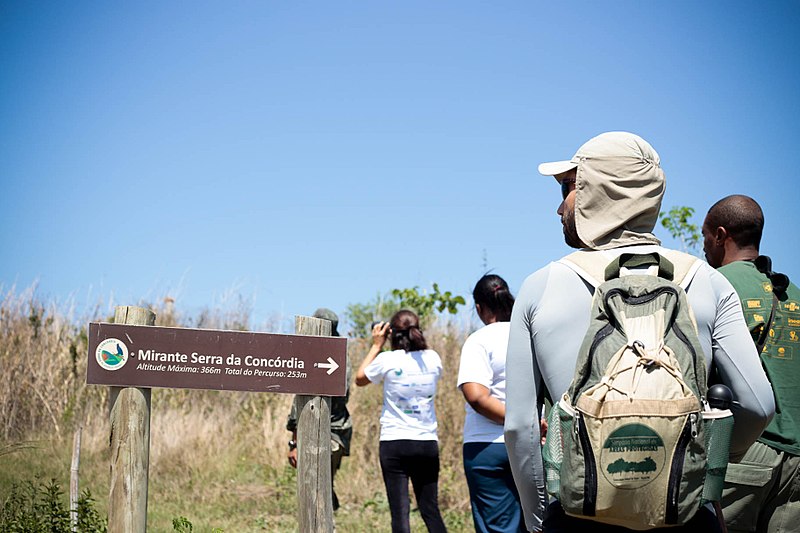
[148, 356]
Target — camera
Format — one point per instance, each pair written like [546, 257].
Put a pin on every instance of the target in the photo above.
[372, 326]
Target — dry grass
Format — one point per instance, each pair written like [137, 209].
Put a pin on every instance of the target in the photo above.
[218, 458]
[43, 366]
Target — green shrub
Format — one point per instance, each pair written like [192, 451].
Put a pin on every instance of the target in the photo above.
[38, 508]
[181, 524]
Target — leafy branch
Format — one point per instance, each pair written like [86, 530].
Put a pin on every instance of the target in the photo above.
[425, 304]
[678, 223]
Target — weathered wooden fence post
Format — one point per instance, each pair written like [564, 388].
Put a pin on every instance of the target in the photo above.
[74, 475]
[130, 443]
[314, 503]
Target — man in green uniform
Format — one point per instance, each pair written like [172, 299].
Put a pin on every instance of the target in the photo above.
[762, 492]
[341, 426]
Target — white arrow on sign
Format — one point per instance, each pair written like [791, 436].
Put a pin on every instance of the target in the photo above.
[330, 365]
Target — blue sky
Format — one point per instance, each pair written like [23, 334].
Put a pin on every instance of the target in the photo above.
[305, 154]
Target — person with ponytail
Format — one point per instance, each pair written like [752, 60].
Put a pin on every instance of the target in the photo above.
[409, 444]
[482, 380]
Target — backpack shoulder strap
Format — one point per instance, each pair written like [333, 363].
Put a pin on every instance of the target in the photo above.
[686, 266]
[591, 266]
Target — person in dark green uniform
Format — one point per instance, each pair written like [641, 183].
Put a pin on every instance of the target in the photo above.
[762, 492]
[341, 426]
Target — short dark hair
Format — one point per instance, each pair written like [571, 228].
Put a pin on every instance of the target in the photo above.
[492, 293]
[742, 218]
[405, 333]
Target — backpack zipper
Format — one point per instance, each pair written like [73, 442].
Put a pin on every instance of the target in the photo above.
[604, 332]
[639, 300]
[683, 338]
[589, 469]
[676, 469]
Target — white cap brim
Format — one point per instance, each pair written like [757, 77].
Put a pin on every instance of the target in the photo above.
[556, 167]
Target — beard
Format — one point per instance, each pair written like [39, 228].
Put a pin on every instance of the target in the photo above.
[571, 230]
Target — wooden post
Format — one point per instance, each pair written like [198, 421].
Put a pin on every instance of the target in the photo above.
[74, 488]
[130, 443]
[314, 503]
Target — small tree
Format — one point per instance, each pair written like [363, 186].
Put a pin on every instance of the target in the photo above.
[426, 305]
[678, 223]
[362, 315]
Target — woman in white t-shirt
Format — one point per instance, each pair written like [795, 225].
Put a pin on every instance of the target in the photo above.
[482, 380]
[409, 446]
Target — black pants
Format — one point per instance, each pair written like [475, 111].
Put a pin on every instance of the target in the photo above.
[417, 460]
[557, 521]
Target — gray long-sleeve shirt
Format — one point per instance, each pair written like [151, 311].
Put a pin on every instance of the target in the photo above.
[550, 318]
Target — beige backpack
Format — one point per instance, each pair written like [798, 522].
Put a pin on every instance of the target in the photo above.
[633, 441]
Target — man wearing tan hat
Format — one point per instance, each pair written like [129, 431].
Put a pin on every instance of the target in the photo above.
[611, 196]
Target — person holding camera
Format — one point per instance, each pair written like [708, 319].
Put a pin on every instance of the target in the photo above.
[409, 444]
[482, 380]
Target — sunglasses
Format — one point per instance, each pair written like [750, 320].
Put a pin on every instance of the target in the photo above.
[567, 186]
